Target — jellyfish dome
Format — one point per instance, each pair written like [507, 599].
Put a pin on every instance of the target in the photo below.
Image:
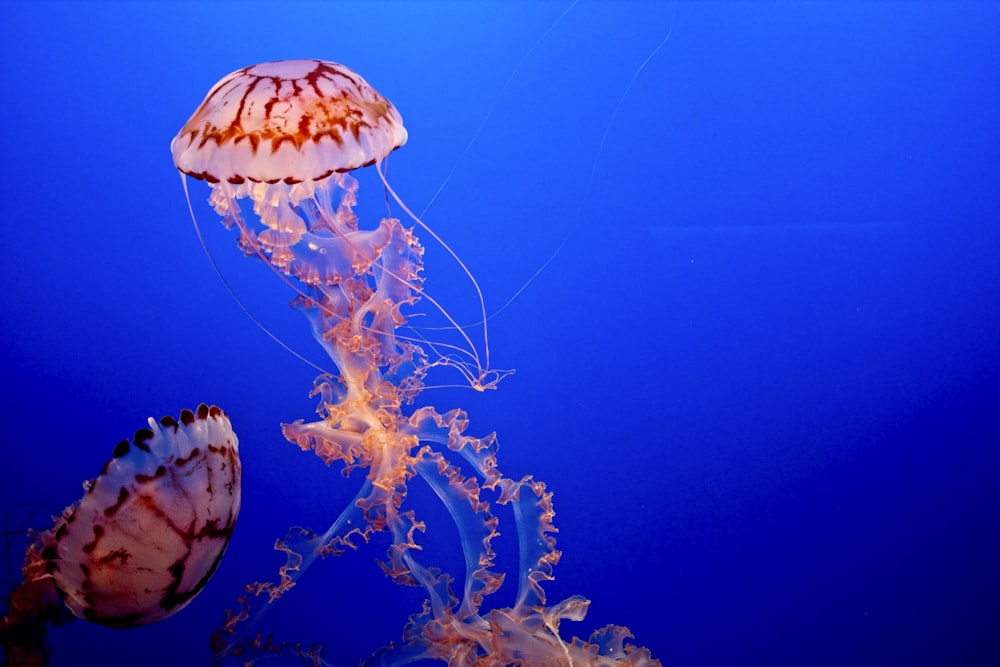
[289, 121]
[150, 530]
[142, 542]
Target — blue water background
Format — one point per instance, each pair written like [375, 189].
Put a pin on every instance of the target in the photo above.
[761, 376]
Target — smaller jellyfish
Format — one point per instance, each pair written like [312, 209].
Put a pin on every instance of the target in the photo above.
[143, 541]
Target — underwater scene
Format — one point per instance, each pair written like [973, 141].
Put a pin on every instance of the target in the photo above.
[500, 333]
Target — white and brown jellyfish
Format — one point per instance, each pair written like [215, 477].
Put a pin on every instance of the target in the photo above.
[285, 135]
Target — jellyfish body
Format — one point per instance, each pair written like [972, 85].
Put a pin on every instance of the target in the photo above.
[284, 135]
[143, 541]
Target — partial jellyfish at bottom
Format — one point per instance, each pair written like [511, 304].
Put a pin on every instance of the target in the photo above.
[143, 541]
[285, 136]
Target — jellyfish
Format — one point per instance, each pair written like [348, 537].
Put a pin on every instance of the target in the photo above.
[285, 136]
[143, 541]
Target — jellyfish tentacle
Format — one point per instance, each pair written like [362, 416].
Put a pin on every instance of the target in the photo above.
[330, 254]
[229, 288]
[482, 367]
[301, 547]
[493, 106]
[32, 607]
[477, 527]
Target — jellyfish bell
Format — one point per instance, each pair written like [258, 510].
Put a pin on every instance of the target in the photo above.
[285, 135]
[143, 541]
[288, 121]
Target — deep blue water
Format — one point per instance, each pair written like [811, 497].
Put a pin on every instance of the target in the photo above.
[761, 376]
